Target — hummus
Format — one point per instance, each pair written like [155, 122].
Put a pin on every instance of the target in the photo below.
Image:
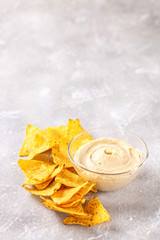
[108, 156]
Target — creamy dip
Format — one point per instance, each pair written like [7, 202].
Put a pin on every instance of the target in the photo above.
[108, 156]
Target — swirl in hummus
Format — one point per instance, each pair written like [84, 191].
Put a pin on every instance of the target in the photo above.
[108, 156]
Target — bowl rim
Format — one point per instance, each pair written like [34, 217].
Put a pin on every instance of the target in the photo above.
[105, 173]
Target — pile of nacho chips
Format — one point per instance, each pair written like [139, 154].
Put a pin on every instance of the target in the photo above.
[50, 174]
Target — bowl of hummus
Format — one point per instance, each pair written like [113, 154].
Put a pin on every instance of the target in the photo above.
[111, 158]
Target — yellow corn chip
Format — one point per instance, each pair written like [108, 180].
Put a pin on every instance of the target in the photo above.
[43, 185]
[87, 189]
[52, 134]
[70, 204]
[44, 156]
[44, 142]
[56, 171]
[37, 170]
[60, 151]
[63, 196]
[39, 140]
[40, 184]
[61, 130]
[60, 156]
[30, 181]
[80, 194]
[74, 127]
[27, 147]
[98, 215]
[75, 210]
[40, 148]
[69, 179]
[48, 191]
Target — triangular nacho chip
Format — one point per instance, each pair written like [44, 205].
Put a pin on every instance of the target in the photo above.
[30, 181]
[98, 215]
[75, 210]
[37, 170]
[70, 204]
[60, 156]
[44, 156]
[63, 196]
[74, 127]
[41, 145]
[48, 191]
[41, 186]
[56, 171]
[69, 179]
[45, 182]
[27, 147]
[81, 193]
[61, 130]
[45, 142]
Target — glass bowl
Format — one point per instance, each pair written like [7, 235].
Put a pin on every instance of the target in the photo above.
[108, 181]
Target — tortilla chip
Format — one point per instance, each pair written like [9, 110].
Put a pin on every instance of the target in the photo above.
[98, 215]
[40, 145]
[30, 181]
[81, 193]
[45, 141]
[74, 127]
[27, 147]
[56, 171]
[63, 196]
[70, 204]
[38, 141]
[37, 170]
[87, 189]
[41, 186]
[69, 179]
[44, 156]
[60, 150]
[53, 135]
[52, 187]
[60, 156]
[61, 130]
[75, 210]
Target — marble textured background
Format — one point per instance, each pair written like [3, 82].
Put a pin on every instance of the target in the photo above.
[94, 60]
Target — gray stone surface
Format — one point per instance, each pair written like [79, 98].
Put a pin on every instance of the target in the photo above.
[94, 60]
